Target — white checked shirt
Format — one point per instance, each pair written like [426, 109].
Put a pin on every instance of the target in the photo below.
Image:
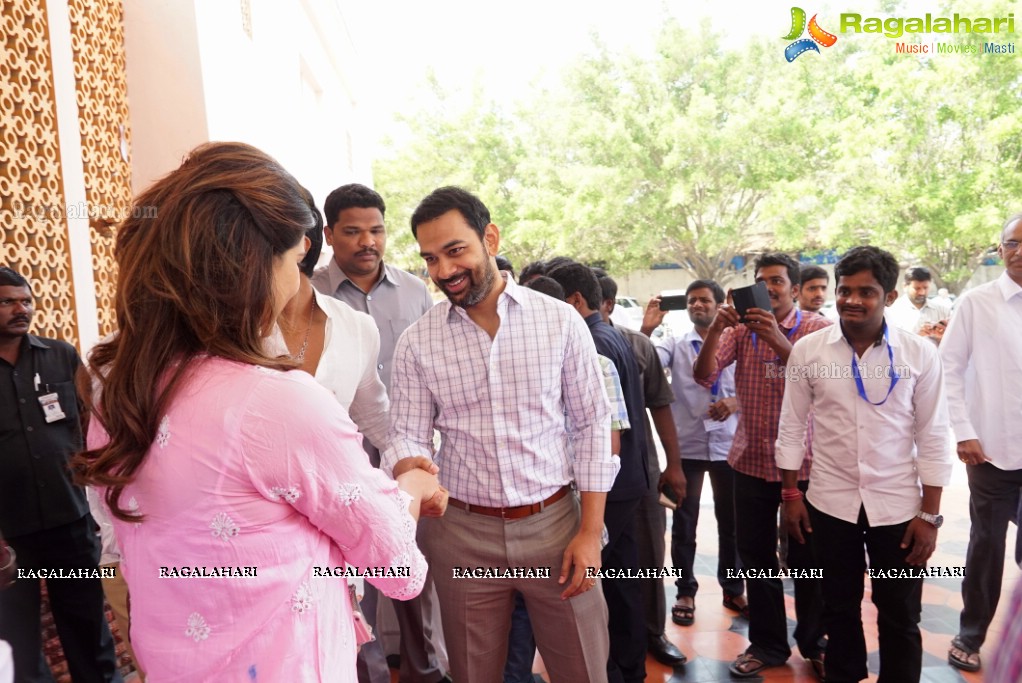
[520, 415]
[866, 455]
[983, 368]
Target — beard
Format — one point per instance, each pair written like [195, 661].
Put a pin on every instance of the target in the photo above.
[701, 319]
[480, 283]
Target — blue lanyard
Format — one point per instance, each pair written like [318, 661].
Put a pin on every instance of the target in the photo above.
[715, 389]
[798, 321]
[858, 378]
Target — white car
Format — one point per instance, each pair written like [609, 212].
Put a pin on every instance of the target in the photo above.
[627, 313]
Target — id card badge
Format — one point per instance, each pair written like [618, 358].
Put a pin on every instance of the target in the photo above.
[713, 425]
[51, 407]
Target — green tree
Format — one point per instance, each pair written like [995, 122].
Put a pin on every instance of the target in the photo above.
[671, 158]
[452, 137]
[930, 150]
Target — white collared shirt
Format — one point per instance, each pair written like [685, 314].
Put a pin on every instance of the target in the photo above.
[347, 367]
[395, 301]
[904, 314]
[692, 401]
[863, 454]
[520, 415]
[982, 353]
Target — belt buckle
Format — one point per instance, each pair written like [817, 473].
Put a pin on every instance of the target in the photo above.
[503, 513]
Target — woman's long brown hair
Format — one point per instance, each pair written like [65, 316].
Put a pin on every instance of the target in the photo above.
[195, 277]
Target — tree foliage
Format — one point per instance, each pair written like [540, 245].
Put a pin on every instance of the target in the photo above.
[697, 153]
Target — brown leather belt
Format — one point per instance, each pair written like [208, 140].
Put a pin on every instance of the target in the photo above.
[514, 512]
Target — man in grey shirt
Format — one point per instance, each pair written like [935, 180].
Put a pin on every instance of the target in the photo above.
[395, 299]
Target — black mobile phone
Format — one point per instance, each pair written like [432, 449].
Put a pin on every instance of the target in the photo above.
[753, 296]
[673, 302]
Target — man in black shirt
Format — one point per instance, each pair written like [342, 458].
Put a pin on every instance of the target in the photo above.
[44, 516]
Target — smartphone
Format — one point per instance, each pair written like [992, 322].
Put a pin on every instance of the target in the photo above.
[753, 296]
[673, 302]
[668, 498]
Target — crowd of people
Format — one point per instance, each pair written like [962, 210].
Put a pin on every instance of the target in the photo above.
[264, 447]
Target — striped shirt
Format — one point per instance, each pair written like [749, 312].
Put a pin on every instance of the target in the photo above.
[519, 416]
[612, 383]
[759, 385]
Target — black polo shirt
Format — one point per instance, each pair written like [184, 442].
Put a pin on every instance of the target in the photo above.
[36, 492]
[633, 480]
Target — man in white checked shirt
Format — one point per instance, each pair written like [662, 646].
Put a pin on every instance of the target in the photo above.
[511, 380]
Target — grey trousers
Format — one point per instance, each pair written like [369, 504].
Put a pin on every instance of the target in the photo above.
[571, 635]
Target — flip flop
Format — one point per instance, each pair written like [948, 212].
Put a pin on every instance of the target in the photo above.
[970, 662]
[818, 669]
[682, 615]
[748, 665]
[731, 604]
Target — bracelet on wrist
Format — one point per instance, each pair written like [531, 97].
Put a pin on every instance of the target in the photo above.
[791, 494]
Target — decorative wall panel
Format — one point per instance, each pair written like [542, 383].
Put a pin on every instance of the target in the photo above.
[97, 41]
[32, 207]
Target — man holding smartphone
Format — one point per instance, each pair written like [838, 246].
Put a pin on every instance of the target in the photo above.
[759, 348]
[705, 419]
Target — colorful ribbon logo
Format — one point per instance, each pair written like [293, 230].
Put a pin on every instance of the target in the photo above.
[816, 35]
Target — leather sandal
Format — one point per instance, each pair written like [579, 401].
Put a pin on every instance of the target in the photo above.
[970, 662]
[748, 665]
[683, 615]
[731, 602]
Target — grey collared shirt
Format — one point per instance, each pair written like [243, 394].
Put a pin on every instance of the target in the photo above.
[395, 301]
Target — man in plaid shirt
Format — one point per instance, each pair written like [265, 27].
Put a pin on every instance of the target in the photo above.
[759, 348]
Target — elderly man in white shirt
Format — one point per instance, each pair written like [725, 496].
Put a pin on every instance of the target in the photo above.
[983, 371]
[880, 460]
[511, 380]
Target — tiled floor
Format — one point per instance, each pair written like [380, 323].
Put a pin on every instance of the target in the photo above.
[718, 635]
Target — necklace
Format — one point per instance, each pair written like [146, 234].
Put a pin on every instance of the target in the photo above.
[300, 356]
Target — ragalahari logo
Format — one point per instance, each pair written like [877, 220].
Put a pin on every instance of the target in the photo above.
[816, 35]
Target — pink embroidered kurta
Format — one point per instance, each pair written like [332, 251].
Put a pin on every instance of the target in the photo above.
[255, 469]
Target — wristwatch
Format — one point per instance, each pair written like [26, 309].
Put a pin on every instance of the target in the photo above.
[935, 520]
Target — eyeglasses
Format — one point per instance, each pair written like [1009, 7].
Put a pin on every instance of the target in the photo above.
[1010, 245]
[26, 303]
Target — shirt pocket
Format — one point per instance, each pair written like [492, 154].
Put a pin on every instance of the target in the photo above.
[67, 397]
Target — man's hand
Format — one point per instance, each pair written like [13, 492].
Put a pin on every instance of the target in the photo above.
[971, 452]
[417, 462]
[583, 552]
[797, 517]
[674, 478]
[764, 324]
[652, 317]
[726, 317]
[435, 506]
[922, 537]
[724, 408]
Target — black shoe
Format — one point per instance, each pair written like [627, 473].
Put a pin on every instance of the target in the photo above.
[665, 652]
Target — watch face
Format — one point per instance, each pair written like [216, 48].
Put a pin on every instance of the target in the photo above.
[938, 520]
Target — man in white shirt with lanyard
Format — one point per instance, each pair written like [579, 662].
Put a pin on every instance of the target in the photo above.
[983, 366]
[880, 460]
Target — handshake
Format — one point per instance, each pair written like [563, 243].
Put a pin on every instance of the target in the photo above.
[417, 476]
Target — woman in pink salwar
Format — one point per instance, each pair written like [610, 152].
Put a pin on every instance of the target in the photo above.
[239, 490]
